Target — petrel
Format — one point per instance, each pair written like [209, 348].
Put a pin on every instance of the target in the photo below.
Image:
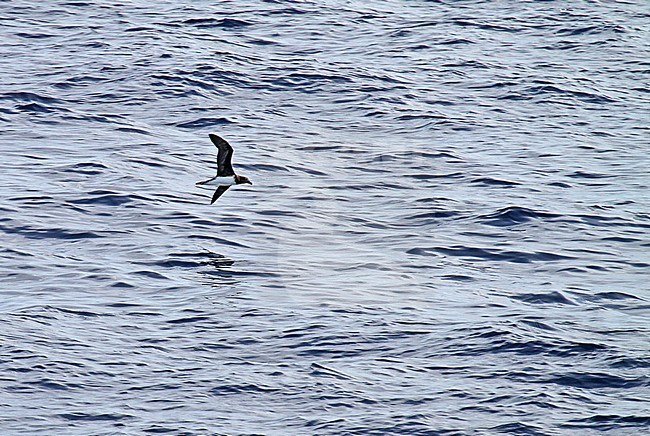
[225, 177]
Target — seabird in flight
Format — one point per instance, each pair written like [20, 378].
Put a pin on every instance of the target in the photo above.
[225, 177]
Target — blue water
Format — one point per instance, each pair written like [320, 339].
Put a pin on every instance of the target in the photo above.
[448, 231]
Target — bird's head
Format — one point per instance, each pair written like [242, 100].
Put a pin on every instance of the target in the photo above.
[242, 179]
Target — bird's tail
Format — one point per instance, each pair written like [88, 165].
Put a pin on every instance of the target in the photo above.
[203, 183]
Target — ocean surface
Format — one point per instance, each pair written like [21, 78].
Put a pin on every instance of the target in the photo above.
[448, 231]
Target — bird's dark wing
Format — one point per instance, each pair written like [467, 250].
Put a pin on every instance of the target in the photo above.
[220, 190]
[224, 158]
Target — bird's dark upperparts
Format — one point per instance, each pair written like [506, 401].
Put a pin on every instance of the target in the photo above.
[226, 176]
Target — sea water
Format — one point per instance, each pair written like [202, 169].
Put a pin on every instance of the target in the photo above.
[448, 231]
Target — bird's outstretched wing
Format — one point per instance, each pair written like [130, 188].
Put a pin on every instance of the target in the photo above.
[224, 158]
[219, 192]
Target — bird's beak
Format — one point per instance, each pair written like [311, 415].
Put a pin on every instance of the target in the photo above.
[250, 183]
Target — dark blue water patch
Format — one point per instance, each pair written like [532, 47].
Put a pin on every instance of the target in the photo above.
[312, 171]
[513, 215]
[436, 176]
[400, 33]
[543, 298]
[323, 148]
[33, 199]
[122, 285]
[307, 83]
[597, 150]
[435, 215]
[12, 253]
[612, 300]
[104, 119]
[192, 260]
[490, 254]
[159, 429]
[491, 341]
[586, 175]
[499, 84]
[537, 325]
[139, 29]
[108, 198]
[609, 221]
[614, 28]
[82, 80]
[518, 429]
[35, 35]
[457, 278]
[81, 416]
[599, 380]
[151, 274]
[132, 130]
[263, 167]
[601, 207]
[297, 332]
[440, 102]
[189, 319]
[36, 108]
[152, 162]
[375, 113]
[212, 75]
[52, 385]
[462, 22]
[209, 23]
[204, 122]
[559, 184]
[217, 240]
[188, 79]
[286, 11]
[248, 389]
[607, 423]
[612, 295]
[381, 185]
[173, 263]
[78, 4]
[468, 64]
[389, 157]
[637, 264]
[489, 181]
[262, 42]
[564, 45]
[596, 268]
[603, 133]
[584, 96]
[122, 305]
[86, 168]
[230, 273]
[454, 41]
[8, 111]
[572, 349]
[627, 362]
[29, 97]
[410, 117]
[271, 212]
[54, 233]
[412, 425]
[84, 313]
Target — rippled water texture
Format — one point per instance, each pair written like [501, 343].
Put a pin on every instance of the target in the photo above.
[447, 231]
